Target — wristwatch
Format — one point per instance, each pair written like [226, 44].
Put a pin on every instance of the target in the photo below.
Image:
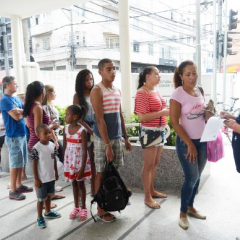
[125, 136]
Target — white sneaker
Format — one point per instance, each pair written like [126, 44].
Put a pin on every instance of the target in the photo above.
[58, 189]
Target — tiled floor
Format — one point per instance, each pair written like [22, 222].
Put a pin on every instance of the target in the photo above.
[219, 199]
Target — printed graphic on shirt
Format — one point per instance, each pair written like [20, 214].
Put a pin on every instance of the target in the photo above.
[196, 111]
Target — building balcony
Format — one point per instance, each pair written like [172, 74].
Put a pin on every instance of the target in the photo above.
[45, 28]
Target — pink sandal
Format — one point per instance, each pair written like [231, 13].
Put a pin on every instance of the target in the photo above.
[83, 214]
[75, 213]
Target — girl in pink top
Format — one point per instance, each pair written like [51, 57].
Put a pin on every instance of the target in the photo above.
[187, 118]
[152, 111]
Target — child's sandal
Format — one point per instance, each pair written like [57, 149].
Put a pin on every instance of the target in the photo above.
[83, 214]
[75, 213]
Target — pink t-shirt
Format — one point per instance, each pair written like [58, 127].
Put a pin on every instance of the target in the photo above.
[192, 119]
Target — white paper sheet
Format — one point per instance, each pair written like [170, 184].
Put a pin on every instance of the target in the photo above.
[212, 128]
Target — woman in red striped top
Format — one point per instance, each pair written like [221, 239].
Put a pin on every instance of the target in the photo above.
[152, 111]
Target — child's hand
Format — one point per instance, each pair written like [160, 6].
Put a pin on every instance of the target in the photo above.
[80, 174]
[56, 144]
[56, 176]
[38, 183]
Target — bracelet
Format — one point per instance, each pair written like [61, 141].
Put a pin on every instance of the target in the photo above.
[125, 136]
[234, 127]
[107, 144]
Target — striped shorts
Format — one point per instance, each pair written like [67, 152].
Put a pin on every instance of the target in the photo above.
[100, 153]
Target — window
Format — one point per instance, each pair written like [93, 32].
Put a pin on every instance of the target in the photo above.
[83, 10]
[150, 26]
[94, 66]
[109, 43]
[46, 68]
[135, 46]
[80, 66]
[63, 67]
[150, 49]
[37, 20]
[136, 22]
[46, 43]
[84, 39]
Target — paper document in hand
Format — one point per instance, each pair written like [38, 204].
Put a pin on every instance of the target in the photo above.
[211, 129]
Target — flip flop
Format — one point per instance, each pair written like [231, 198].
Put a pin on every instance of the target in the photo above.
[102, 217]
[153, 205]
[57, 197]
[83, 214]
[160, 195]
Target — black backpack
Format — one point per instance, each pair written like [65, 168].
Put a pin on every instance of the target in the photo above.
[113, 194]
[236, 146]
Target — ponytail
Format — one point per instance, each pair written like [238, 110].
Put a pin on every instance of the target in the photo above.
[179, 71]
[177, 79]
[141, 80]
[143, 74]
[34, 90]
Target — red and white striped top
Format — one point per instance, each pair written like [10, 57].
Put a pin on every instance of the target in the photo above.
[146, 102]
[111, 99]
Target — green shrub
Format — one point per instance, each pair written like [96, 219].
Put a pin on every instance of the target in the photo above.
[172, 137]
[62, 114]
[133, 131]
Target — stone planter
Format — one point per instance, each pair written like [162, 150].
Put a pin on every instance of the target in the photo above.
[169, 172]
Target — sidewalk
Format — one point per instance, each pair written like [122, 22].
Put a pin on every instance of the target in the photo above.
[219, 199]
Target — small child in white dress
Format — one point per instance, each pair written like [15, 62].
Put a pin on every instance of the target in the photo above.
[77, 166]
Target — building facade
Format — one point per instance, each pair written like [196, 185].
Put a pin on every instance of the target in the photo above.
[78, 37]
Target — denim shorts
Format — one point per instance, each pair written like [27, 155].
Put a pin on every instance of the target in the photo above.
[18, 153]
[47, 189]
[158, 142]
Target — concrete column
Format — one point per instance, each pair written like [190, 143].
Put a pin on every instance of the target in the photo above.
[125, 60]
[18, 51]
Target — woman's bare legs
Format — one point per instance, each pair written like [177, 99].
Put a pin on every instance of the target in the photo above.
[153, 191]
[149, 156]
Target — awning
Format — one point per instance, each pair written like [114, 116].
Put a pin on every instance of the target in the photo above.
[233, 68]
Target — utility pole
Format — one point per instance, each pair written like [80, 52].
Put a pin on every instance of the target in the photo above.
[5, 45]
[225, 44]
[214, 80]
[73, 58]
[26, 38]
[219, 32]
[198, 43]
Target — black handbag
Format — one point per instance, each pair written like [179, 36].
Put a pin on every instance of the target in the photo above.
[150, 137]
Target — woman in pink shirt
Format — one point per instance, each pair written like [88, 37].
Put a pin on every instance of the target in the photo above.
[152, 111]
[187, 118]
